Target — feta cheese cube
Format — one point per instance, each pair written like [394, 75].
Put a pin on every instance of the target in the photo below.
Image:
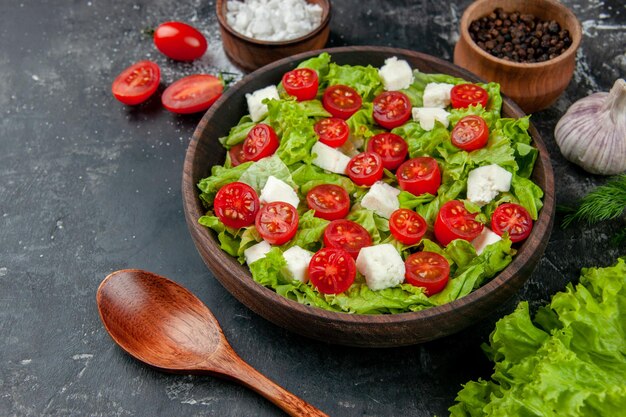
[256, 252]
[484, 183]
[396, 74]
[484, 239]
[329, 158]
[257, 109]
[382, 199]
[426, 116]
[437, 95]
[381, 265]
[297, 263]
[278, 190]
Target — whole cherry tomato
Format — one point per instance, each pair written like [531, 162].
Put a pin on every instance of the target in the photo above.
[179, 41]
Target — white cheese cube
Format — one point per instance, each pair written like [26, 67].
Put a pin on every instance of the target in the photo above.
[396, 74]
[437, 95]
[381, 265]
[256, 252]
[297, 263]
[426, 116]
[329, 158]
[257, 109]
[382, 199]
[484, 183]
[484, 239]
[278, 190]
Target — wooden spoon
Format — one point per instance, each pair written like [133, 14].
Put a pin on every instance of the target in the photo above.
[164, 325]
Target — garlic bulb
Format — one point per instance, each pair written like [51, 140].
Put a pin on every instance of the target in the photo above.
[592, 133]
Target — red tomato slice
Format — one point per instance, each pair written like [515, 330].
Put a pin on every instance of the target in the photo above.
[236, 155]
[428, 270]
[419, 175]
[179, 41]
[330, 202]
[365, 168]
[514, 219]
[407, 226]
[391, 109]
[347, 235]
[333, 132]
[277, 222]
[192, 94]
[236, 205]
[341, 101]
[391, 148]
[464, 95]
[455, 222]
[302, 83]
[260, 142]
[470, 133]
[136, 83]
[332, 271]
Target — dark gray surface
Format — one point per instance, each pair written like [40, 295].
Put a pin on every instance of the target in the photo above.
[89, 186]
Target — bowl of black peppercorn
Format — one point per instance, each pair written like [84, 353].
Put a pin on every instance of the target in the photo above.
[528, 47]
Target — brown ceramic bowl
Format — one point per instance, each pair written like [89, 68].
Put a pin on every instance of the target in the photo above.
[250, 54]
[533, 86]
[350, 329]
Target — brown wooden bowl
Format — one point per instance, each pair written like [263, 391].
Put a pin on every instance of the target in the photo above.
[532, 86]
[250, 54]
[351, 329]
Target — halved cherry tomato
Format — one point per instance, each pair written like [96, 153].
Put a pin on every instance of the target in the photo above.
[428, 270]
[407, 226]
[192, 94]
[260, 142]
[179, 41]
[470, 133]
[347, 235]
[391, 109]
[514, 219]
[365, 168]
[341, 101]
[332, 271]
[419, 175]
[330, 202]
[391, 148]
[455, 222]
[302, 83]
[277, 222]
[136, 83]
[236, 155]
[333, 131]
[236, 205]
[464, 95]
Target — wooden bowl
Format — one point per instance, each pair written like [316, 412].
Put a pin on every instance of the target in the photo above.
[350, 329]
[532, 86]
[250, 54]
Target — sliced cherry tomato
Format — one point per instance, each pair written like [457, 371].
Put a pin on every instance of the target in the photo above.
[192, 94]
[330, 202]
[470, 133]
[455, 222]
[302, 83]
[236, 205]
[236, 155]
[179, 41]
[136, 83]
[365, 168]
[419, 175]
[391, 148]
[514, 219]
[347, 235]
[391, 109]
[260, 142]
[407, 226]
[277, 222]
[341, 101]
[464, 95]
[333, 132]
[428, 270]
[332, 270]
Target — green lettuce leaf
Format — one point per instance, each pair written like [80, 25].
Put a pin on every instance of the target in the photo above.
[528, 194]
[220, 176]
[237, 134]
[257, 174]
[309, 176]
[310, 232]
[365, 80]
